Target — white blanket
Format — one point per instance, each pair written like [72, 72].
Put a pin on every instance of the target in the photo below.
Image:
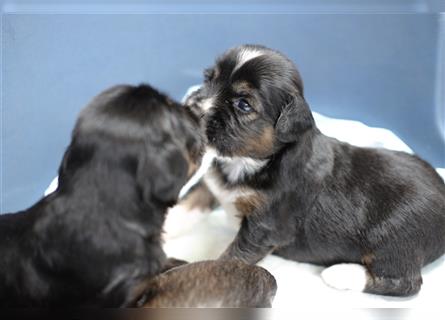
[195, 236]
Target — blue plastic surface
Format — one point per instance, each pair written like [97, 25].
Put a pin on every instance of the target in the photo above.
[380, 62]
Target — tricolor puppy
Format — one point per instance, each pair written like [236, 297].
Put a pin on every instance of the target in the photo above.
[96, 241]
[308, 197]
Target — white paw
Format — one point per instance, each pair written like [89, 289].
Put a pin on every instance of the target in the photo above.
[345, 276]
[180, 221]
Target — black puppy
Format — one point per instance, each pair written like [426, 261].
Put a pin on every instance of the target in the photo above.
[97, 239]
[303, 195]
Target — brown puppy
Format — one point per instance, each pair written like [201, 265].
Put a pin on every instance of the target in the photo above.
[305, 196]
[211, 284]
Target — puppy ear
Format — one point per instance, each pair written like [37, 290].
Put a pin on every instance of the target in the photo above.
[161, 174]
[193, 101]
[75, 156]
[295, 119]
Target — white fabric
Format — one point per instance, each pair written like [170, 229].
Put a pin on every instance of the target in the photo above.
[195, 236]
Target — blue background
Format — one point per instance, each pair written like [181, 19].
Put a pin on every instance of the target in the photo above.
[380, 62]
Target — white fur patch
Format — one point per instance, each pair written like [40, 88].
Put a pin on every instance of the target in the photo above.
[180, 221]
[246, 55]
[226, 197]
[207, 104]
[345, 276]
[237, 168]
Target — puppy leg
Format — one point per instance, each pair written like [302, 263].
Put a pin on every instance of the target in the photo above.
[193, 207]
[387, 276]
[262, 231]
[250, 245]
[393, 276]
[212, 284]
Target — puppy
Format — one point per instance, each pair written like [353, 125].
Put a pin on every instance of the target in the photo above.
[211, 284]
[305, 196]
[96, 241]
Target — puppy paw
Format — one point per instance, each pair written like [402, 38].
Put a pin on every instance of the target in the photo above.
[345, 276]
[180, 221]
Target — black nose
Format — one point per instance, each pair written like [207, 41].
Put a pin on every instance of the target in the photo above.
[214, 124]
[214, 129]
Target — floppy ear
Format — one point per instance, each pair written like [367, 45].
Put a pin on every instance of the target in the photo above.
[295, 119]
[75, 156]
[161, 174]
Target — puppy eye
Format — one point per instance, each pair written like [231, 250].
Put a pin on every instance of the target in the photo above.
[242, 105]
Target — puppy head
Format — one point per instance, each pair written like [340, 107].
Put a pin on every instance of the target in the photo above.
[142, 132]
[253, 103]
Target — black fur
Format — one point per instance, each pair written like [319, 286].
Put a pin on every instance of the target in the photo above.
[316, 199]
[97, 239]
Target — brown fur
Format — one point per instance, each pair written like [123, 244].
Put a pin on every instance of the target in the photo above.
[247, 205]
[225, 284]
[199, 197]
[193, 166]
[243, 87]
[368, 258]
[264, 144]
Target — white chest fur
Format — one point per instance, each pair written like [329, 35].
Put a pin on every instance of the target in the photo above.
[226, 197]
[235, 170]
[238, 168]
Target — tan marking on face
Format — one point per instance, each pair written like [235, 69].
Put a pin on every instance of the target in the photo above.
[260, 146]
[242, 87]
[248, 204]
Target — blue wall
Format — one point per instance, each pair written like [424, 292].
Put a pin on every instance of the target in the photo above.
[381, 63]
